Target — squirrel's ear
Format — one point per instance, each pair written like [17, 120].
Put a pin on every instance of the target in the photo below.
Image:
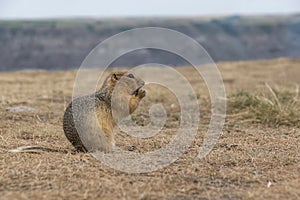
[114, 77]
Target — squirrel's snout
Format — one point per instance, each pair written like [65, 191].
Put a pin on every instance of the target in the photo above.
[142, 82]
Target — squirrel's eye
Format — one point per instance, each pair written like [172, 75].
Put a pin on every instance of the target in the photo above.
[130, 76]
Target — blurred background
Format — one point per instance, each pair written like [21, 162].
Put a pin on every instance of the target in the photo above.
[58, 35]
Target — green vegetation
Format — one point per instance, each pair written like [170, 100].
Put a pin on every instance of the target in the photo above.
[273, 107]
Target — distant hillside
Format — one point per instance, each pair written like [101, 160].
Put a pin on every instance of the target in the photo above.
[63, 44]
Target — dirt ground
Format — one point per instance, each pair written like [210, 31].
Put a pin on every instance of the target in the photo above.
[250, 161]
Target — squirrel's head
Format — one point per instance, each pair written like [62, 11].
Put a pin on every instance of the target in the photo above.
[121, 88]
[125, 81]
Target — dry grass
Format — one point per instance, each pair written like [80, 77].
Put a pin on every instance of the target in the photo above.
[273, 107]
[256, 157]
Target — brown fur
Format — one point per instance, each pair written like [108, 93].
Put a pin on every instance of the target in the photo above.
[118, 97]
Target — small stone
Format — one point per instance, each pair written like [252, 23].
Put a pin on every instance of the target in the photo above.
[131, 148]
[19, 109]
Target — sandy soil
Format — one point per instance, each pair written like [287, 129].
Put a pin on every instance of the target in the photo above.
[250, 160]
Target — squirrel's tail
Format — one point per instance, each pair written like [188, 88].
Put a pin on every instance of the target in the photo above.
[33, 149]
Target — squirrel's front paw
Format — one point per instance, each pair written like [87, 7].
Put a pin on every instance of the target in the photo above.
[141, 93]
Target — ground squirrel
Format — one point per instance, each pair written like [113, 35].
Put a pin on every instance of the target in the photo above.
[96, 115]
